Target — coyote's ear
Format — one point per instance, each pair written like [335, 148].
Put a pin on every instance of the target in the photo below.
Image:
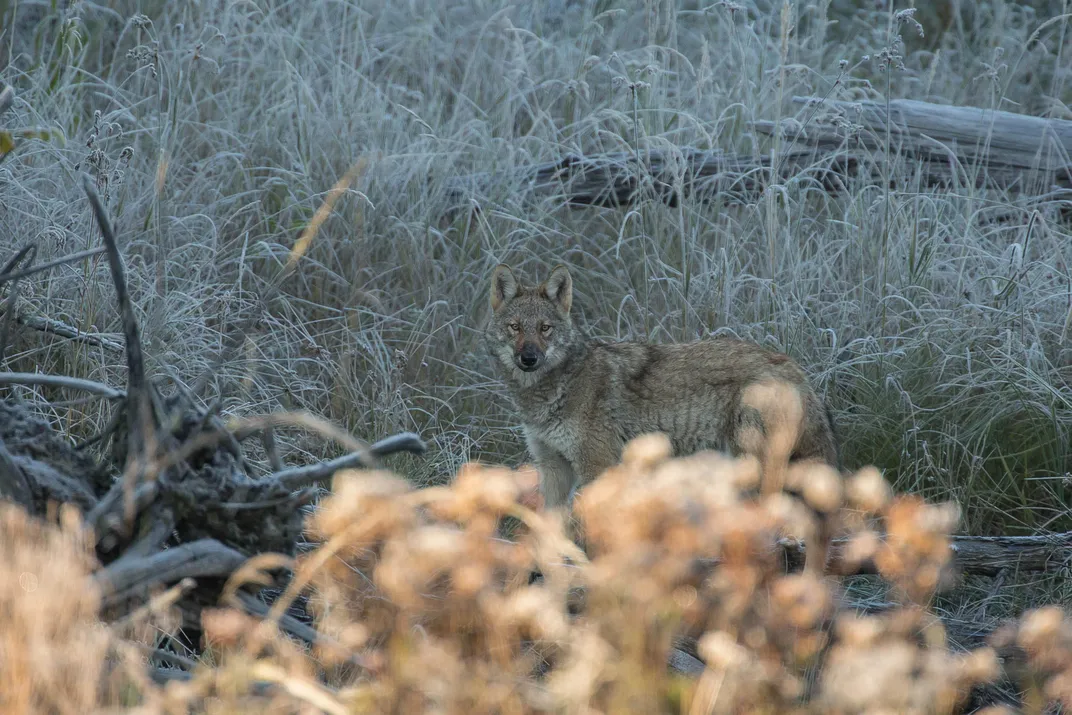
[503, 285]
[559, 288]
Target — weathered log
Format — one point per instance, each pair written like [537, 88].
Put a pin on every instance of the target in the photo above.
[952, 146]
[138, 574]
[618, 179]
[937, 132]
[53, 471]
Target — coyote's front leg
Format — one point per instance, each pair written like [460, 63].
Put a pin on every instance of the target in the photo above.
[557, 477]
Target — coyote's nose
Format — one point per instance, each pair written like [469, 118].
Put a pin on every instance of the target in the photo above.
[528, 358]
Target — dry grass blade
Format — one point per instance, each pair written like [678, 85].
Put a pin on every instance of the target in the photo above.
[7, 98]
[243, 428]
[324, 210]
[311, 693]
[302, 245]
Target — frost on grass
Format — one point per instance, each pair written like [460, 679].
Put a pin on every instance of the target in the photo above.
[215, 129]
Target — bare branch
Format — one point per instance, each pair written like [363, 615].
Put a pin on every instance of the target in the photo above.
[15, 260]
[173, 659]
[297, 477]
[141, 419]
[127, 576]
[154, 537]
[685, 663]
[139, 414]
[5, 276]
[74, 383]
[245, 427]
[271, 449]
[58, 327]
[292, 626]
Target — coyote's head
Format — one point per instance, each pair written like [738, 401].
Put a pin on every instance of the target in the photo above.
[530, 331]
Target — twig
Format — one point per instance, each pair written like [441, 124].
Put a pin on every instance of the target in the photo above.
[272, 450]
[163, 676]
[684, 662]
[292, 626]
[293, 501]
[297, 477]
[136, 382]
[179, 661]
[58, 327]
[74, 383]
[28, 253]
[5, 276]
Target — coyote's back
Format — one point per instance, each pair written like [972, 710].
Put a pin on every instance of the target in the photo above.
[580, 401]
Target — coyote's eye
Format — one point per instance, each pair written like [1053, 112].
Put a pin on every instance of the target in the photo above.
[514, 327]
[545, 329]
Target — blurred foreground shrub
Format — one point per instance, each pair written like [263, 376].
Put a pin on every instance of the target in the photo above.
[424, 606]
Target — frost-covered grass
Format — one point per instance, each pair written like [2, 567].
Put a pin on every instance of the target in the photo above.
[216, 129]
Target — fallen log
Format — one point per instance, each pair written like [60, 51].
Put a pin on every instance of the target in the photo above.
[971, 136]
[949, 146]
[624, 178]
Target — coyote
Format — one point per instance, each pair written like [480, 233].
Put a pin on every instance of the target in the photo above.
[581, 400]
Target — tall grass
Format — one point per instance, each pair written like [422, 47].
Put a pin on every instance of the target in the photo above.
[936, 322]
